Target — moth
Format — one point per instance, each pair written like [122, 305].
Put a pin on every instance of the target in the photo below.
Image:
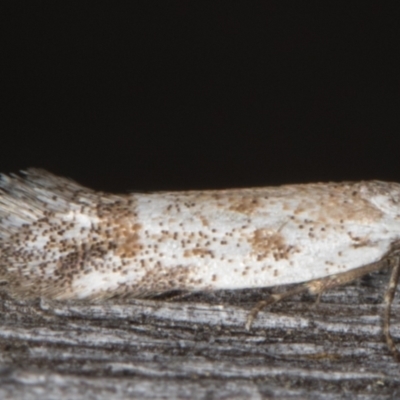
[60, 240]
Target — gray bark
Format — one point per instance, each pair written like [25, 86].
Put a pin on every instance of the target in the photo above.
[196, 347]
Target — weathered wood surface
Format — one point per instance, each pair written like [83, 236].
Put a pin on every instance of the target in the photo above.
[197, 347]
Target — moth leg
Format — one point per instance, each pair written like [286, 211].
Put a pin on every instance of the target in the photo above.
[389, 295]
[273, 298]
[318, 286]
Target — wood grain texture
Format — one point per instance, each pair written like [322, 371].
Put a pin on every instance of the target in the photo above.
[196, 347]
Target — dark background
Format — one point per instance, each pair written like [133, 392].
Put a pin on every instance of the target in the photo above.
[143, 95]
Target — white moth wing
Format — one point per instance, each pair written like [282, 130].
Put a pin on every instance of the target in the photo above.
[61, 240]
[267, 237]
